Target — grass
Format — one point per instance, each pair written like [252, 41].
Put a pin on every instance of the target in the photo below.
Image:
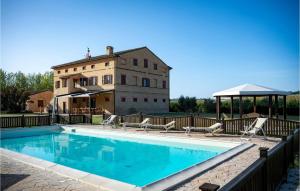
[97, 119]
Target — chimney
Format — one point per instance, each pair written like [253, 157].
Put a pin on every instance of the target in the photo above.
[88, 54]
[109, 50]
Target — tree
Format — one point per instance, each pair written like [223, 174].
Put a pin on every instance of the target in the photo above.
[16, 88]
[187, 104]
[209, 105]
[174, 107]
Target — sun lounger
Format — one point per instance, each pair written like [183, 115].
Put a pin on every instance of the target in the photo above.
[110, 120]
[145, 122]
[215, 128]
[254, 128]
[167, 127]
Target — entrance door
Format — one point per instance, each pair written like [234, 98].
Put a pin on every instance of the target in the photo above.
[64, 107]
[93, 102]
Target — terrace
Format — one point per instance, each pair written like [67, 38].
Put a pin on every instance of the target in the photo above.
[221, 174]
[241, 170]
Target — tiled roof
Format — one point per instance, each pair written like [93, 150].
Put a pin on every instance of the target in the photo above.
[37, 92]
[115, 54]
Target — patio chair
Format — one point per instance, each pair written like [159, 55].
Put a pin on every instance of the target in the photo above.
[254, 128]
[110, 120]
[167, 127]
[215, 128]
[145, 122]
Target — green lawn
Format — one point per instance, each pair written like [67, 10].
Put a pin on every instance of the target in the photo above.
[97, 119]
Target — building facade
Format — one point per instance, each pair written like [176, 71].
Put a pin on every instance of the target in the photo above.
[40, 102]
[124, 82]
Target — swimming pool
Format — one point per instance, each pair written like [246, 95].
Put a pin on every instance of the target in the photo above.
[138, 160]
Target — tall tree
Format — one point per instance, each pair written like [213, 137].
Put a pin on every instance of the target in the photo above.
[16, 88]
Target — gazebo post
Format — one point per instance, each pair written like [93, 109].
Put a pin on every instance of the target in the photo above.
[270, 106]
[254, 104]
[284, 107]
[231, 107]
[241, 107]
[218, 102]
[276, 106]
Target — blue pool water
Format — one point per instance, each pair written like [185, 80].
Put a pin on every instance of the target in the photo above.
[132, 162]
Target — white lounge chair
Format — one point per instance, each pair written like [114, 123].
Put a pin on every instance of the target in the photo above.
[167, 127]
[254, 128]
[145, 122]
[110, 120]
[215, 128]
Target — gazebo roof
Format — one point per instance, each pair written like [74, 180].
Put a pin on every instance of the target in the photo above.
[250, 90]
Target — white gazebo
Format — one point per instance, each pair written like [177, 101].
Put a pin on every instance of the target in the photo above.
[251, 90]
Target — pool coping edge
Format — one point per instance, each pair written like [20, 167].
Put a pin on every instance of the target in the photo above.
[111, 184]
[78, 175]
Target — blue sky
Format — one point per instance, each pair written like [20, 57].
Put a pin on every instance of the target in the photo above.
[211, 45]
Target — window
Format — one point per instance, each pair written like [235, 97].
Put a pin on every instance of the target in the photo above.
[134, 99]
[66, 70]
[135, 80]
[93, 66]
[74, 69]
[106, 99]
[135, 62]
[83, 67]
[164, 84]
[123, 79]
[145, 63]
[106, 64]
[93, 81]
[64, 83]
[75, 83]
[57, 84]
[145, 82]
[145, 99]
[155, 66]
[58, 71]
[123, 99]
[164, 100]
[40, 103]
[155, 99]
[74, 100]
[107, 79]
[83, 81]
[155, 83]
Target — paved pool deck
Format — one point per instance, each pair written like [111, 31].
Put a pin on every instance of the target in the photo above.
[16, 175]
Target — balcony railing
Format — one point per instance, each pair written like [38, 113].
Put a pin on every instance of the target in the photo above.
[87, 110]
